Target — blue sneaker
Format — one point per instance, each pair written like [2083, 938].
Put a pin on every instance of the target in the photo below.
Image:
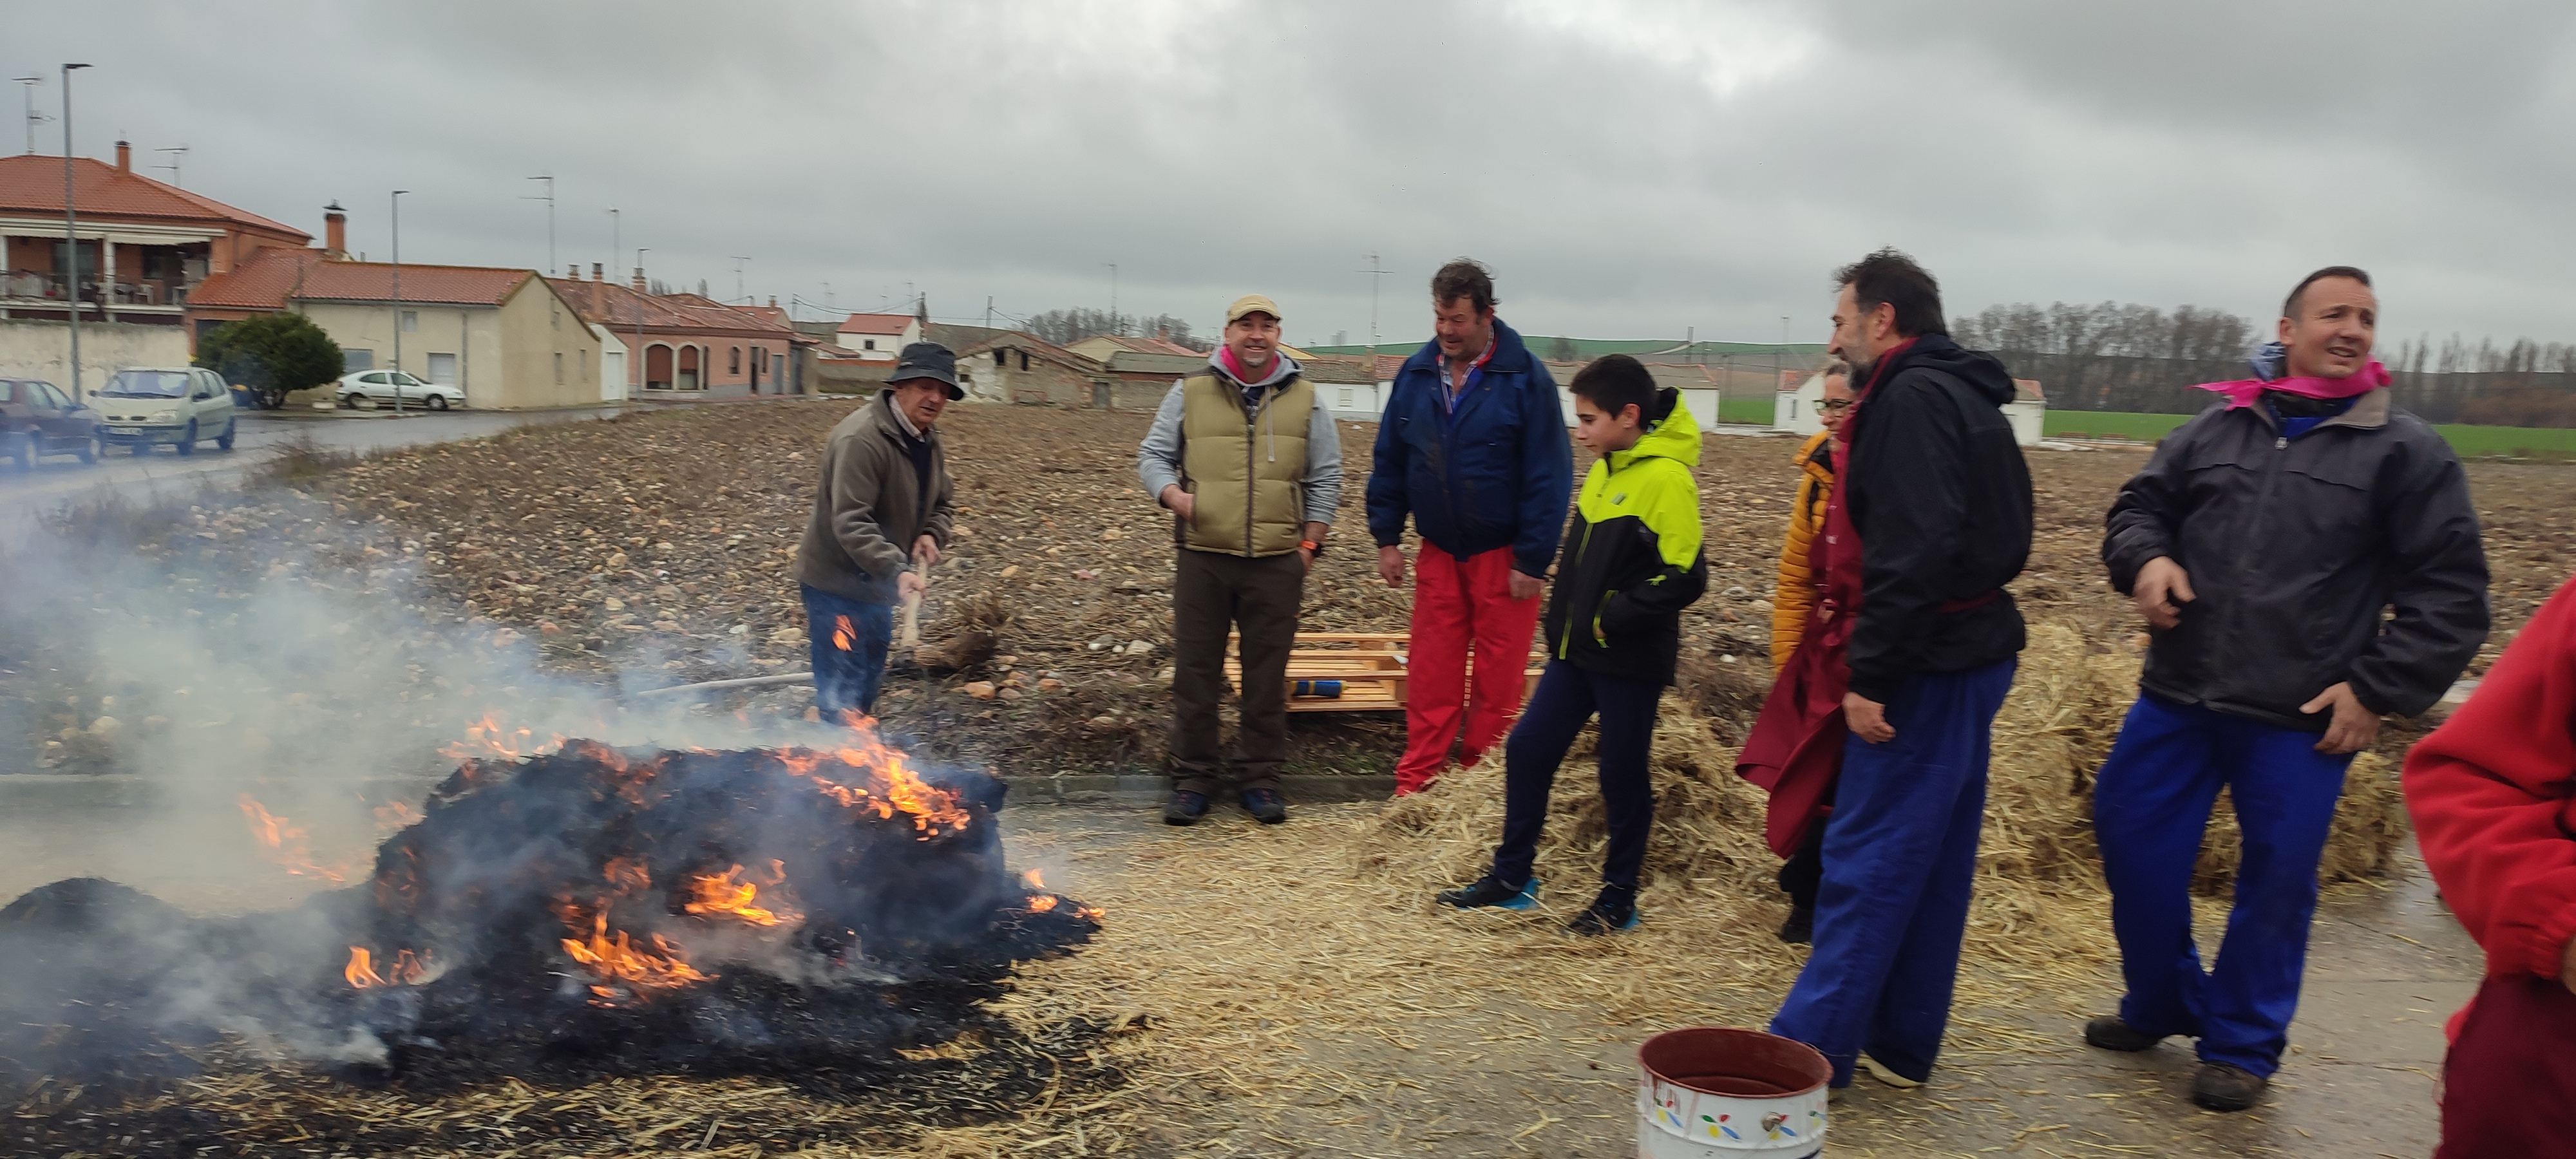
[1488, 893]
[1611, 913]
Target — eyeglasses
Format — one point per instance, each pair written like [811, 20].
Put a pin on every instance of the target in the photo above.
[1835, 404]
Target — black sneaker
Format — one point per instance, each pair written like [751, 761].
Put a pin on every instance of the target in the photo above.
[1608, 914]
[1265, 805]
[2109, 1033]
[1800, 929]
[2221, 1087]
[1489, 893]
[1185, 807]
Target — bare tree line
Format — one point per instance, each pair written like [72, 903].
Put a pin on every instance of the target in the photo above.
[2121, 356]
[1065, 327]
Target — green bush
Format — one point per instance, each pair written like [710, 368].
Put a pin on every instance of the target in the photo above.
[271, 354]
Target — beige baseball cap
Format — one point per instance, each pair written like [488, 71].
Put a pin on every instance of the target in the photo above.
[1250, 303]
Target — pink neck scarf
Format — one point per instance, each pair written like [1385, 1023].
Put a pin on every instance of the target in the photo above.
[2243, 391]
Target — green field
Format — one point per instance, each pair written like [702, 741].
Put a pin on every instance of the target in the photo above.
[2469, 441]
[1733, 409]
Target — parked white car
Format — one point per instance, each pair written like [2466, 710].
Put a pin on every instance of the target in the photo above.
[182, 406]
[383, 386]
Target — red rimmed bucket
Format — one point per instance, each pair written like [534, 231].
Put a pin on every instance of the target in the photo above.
[1705, 1092]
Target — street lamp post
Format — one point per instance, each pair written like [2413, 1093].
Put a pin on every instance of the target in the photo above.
[396, 199]
[71, 233]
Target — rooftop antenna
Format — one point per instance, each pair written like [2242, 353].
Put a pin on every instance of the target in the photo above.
[738, 260]
[176, 152]
[549, 198]
[1374, 273]
[34, 118]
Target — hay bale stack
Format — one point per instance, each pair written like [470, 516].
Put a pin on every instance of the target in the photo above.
[2039, 894]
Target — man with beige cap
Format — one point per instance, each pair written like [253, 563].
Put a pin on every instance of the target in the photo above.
[1251, 469]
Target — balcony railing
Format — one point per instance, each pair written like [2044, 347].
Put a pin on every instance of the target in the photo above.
[50, 287]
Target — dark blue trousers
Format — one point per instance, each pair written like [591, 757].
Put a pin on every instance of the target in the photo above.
[1900, 857]
[1567, 697]
[848, 639]
[2151, 803]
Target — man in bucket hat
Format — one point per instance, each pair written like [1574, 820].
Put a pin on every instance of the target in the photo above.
[881, 516]
[1251, 469]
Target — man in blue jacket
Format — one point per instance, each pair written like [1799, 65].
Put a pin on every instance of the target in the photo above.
[1473, 447]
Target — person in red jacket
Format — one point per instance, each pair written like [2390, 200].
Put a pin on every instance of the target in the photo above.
[2493, 794]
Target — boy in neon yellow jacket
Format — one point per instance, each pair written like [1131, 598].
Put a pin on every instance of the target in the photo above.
[1631, 561]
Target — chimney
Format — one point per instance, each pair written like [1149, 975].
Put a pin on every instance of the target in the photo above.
[639, 279]
[773, 301]
[335, 232]
[598, 272]
[124, 157]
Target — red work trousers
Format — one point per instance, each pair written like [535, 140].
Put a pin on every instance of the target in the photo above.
[1459, 604]
[2509, 1085]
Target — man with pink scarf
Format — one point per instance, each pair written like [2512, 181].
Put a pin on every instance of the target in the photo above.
[2307, 560]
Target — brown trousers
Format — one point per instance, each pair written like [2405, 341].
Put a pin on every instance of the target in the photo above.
[1213, 593]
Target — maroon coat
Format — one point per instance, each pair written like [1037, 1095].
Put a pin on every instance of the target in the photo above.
[1796, 747]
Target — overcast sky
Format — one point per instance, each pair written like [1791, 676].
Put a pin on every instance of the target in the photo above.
[1629, 168]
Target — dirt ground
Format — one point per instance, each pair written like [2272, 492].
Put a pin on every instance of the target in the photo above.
[1293, 1001]
[659, 546]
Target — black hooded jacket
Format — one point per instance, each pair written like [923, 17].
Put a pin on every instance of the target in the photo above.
[2347, 554]
[1938, 491]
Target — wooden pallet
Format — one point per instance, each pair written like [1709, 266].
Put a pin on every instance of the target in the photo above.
[1370, 665]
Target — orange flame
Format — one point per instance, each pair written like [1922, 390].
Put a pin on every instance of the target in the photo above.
[285, 843]
[875, 777]
[393, 815]
[406, 969]
[1041, 902]
[842, 633]
[719, 895]
[615, 957]
[488, 737]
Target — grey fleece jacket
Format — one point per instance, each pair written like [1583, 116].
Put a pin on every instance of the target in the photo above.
[1158, 459]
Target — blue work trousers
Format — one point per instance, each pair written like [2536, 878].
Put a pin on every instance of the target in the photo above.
[2151, 803]
[1567, 696]
[848, 639]
[1900, 856]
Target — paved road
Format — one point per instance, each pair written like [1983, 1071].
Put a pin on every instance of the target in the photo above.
[58, 481]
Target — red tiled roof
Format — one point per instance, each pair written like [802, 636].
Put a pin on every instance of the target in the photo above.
[272, 276]
[622, 307]
[875, 323]
[33, 183]
[1034, 345]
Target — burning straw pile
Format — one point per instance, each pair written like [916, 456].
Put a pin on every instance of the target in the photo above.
[827, 918]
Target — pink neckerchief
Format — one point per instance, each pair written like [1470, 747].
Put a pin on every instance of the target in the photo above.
[2243, 391]
[1234, 365]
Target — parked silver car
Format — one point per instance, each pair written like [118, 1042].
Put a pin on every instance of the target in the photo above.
[182, 406]
[384, 386]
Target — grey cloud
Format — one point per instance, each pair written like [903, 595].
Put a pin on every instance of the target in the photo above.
[1630, 168]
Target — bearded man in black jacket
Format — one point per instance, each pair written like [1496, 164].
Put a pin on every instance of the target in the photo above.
[1934, 491]
[2307, 557]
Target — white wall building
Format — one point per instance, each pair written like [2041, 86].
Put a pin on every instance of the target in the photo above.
[1794, 411]
[878, 337]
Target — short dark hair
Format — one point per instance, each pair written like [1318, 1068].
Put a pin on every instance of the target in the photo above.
[2290, 305]
[1463, 278]
[1614, 383]
[1889, 277]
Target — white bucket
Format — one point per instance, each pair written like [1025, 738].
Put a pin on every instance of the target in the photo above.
[1707, 1092]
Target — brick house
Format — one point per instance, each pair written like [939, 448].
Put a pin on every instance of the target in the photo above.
[154, 242]
[686, 346]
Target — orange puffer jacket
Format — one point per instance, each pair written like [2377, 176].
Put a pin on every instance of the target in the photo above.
[1797, 591]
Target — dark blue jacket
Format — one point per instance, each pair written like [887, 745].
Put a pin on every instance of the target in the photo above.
[1499, 474]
